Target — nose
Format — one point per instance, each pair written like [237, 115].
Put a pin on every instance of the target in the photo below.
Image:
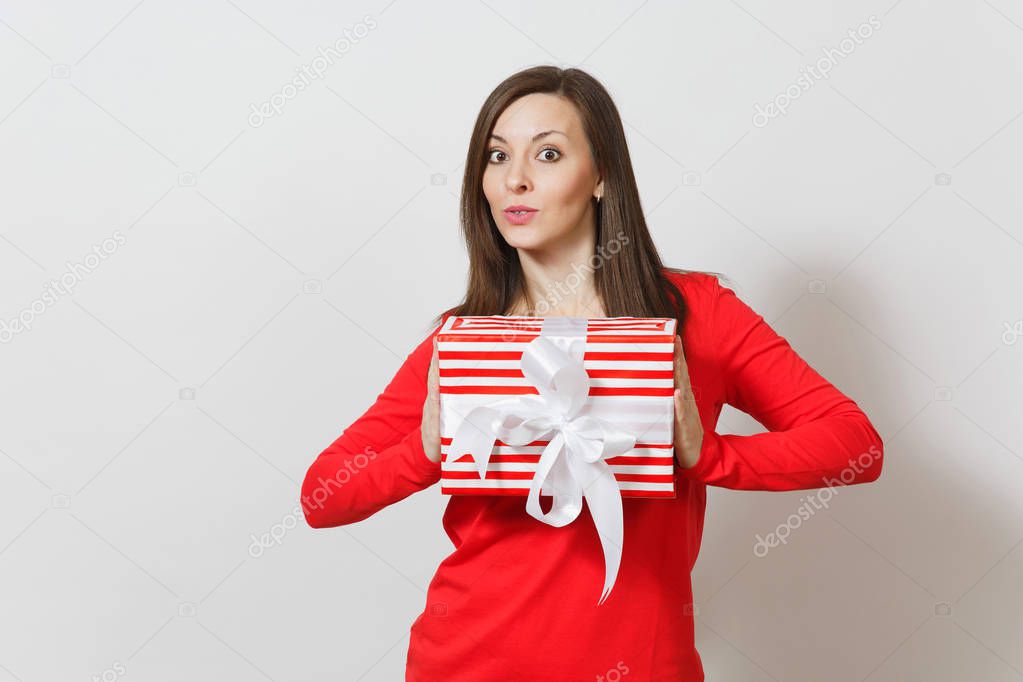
[518, 179]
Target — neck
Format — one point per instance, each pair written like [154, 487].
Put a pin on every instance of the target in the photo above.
[559, 281]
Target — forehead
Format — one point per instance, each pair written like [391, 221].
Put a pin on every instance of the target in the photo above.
[536, 113]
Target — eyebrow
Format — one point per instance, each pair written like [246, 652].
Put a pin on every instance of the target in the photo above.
[535, 137]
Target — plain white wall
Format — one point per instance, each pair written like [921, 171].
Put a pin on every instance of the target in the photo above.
[245, 285]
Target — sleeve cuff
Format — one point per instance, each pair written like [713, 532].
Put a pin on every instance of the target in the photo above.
[710, 451]
[420, 461]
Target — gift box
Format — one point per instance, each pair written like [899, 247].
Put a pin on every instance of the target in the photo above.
[570, 407]
[629, 365]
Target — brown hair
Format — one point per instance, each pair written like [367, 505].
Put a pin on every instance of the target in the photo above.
[631, 283]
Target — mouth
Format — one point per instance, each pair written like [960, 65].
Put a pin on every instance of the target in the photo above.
[519, 215]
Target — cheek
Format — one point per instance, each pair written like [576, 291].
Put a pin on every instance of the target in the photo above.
[491, 184]
[571, 186]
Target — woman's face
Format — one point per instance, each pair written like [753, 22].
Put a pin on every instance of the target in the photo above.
[539, 157]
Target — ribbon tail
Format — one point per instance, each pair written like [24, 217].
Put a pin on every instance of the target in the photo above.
[604, 499]
[476, 437]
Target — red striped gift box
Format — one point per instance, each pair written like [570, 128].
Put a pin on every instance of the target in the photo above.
[629, 361]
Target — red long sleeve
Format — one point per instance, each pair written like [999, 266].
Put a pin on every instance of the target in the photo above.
[516, 598]
[817, 436]
[379, 459]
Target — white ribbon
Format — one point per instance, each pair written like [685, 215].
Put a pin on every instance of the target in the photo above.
[574, 458]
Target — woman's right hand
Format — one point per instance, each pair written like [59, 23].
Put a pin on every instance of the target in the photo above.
[431, 410]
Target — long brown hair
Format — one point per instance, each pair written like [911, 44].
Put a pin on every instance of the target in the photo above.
[631, 283]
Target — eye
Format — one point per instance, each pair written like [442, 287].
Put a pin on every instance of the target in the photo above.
[545, 150]
[544, 155]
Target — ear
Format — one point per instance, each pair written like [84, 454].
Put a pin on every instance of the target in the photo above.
[599, 192]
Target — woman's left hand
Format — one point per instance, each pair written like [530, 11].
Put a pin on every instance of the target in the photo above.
[688, 429]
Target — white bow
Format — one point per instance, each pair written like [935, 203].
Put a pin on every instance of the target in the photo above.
[586, 441]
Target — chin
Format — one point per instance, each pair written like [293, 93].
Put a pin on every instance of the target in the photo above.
[532, 238]
[523, 237]
[530, 244]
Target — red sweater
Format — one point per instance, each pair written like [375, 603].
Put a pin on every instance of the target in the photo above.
[516, 598]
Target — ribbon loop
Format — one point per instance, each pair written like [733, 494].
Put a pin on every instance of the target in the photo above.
[573, 460]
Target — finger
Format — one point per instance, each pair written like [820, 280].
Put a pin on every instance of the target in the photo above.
[434, 373]
[682, 381]
[679, 349]
[676, 436]
[679, 365]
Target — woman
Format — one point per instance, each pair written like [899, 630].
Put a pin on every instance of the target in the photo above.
[554, 227]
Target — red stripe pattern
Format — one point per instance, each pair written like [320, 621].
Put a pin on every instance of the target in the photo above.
[629, 362]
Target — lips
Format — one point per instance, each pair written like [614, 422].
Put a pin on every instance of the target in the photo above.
[519, 215]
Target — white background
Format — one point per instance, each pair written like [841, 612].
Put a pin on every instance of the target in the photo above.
[273, 277]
